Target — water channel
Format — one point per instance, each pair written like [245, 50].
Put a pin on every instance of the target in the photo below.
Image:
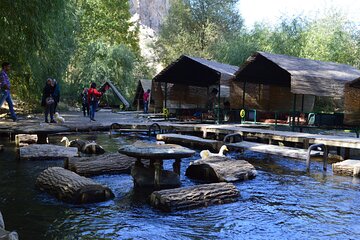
[282, 202]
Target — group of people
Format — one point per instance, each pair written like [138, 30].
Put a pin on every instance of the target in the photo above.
[50, 99]
[90, 98]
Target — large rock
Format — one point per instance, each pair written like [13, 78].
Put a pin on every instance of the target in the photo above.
[194, 197]
[112, 163]
[221, 169]
[47, 152]
[347, 168]
[70, 187]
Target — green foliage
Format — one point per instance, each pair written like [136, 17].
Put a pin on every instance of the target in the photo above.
[36, 41]
[195, 27]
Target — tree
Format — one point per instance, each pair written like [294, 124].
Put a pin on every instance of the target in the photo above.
[194, 27]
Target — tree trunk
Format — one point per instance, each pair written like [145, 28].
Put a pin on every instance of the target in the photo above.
[47, 152]
[70, 187]
[113, 163]
[221, 169]
[194, 197]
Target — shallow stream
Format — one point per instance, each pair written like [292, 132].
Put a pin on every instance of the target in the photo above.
[282, 202]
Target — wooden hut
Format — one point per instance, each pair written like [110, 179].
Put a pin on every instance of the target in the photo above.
[186, 82]
[273, 82]
[352, 103]
[142, 86]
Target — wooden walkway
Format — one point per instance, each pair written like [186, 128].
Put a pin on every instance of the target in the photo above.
[131, 121]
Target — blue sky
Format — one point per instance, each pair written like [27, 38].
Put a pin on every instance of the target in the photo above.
[271, 10]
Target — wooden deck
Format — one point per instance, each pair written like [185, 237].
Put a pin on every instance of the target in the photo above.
[76, 123]
[297, 153]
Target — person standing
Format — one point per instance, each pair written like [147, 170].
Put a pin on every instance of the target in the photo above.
[48, 100]
[5, 89]
[84, 101]
[56, 94]
[146, 98]
[93, 96]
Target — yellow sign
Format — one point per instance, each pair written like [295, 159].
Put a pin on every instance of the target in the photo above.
[242, 113]
[166, 112]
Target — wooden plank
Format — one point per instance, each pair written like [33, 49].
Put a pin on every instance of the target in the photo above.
[271, 149]
[47, 152]
[192, 141]
[348, 167]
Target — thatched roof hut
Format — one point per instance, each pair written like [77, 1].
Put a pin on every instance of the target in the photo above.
[142, 86]
[187, 81]
[287, 81]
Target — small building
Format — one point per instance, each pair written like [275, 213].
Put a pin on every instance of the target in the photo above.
[281, 83]
[352, 103]
[142, 86]
[187, 82]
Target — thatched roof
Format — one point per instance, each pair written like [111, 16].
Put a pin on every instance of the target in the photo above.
[304, 76]
[117, 93]
[194, 71]
[355, 83]
[143, 85]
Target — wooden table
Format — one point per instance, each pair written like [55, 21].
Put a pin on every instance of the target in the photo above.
[156, 154]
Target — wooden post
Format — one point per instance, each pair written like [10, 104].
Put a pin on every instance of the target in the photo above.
[158, 166]
[293, 118]
[165, 105]
[176, 166]
[218, 111]
[243, 98]
[42, 138]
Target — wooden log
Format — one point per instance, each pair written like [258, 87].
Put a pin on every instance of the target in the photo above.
[190, 141]
[195, 196]
[221, 169]
[111, 163]
[70, 187]
[6, 235]
[347, 168]
[22, 140]
[47, 152]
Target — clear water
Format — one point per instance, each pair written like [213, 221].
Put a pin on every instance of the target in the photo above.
[282, 202]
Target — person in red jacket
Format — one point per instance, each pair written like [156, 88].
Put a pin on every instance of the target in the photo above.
[93, 98]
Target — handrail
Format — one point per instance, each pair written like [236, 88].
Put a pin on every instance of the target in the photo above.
[232, 138]
[325, 155]
[152, 128]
